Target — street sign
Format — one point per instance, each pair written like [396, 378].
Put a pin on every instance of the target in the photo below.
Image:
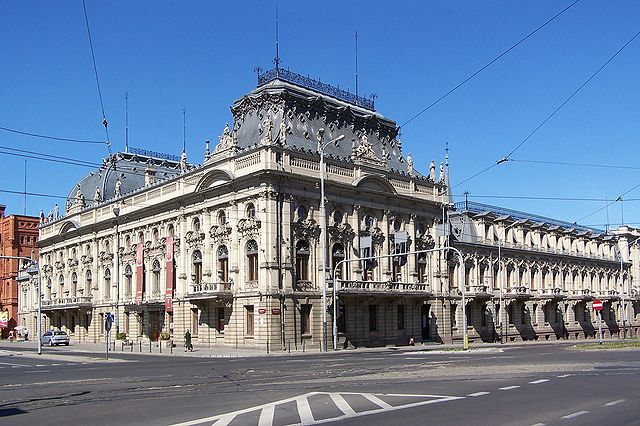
[4, 319]
[108, 321]
[597, 305]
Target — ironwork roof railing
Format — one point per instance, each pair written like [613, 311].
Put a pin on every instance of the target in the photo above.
[317, 85]
[517, 215]
[154, 154]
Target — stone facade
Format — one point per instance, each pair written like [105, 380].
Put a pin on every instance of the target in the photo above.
[231, 249]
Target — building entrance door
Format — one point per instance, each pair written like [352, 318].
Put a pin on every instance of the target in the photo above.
[424, 315]
[154, 325]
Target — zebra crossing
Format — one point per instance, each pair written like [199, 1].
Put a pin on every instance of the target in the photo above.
[319, 407]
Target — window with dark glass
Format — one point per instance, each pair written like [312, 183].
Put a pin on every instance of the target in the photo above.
[223, 264]
[337, 255]
[252, 260]
[197, 266]
[302, 261]
[373, 317]
[305, 318]
[155, 270]
[107, 283]
[248, 320]
[128, 279]
[400, 317]
[251, 211]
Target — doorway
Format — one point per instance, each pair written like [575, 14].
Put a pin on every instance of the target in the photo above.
[424, 315]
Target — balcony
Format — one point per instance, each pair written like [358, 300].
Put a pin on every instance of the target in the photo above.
[609, 296]
[582, 294]
[74, 302]
[305, 286]
[552, 293]
[383, 287]
[518, 292]
[478, 292]
[201, 291]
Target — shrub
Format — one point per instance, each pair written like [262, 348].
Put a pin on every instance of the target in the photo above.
[165, 335]
[121, 336]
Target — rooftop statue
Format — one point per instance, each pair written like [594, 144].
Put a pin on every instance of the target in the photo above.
[432, 170]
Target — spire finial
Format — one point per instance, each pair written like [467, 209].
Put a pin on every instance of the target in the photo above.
[277, 58]
[184, 129]
[126, 121]
[356, 64]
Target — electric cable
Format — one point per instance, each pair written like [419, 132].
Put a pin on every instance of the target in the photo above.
[55, 138]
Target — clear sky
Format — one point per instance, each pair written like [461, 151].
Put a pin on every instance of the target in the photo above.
[201, 55]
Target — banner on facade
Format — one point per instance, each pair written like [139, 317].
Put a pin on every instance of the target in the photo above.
[4, 319]
[168, 298]
[139, 272]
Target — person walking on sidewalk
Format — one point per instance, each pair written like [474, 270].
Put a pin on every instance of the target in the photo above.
[187, 342]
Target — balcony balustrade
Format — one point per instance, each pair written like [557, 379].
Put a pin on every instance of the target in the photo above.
[383, 287]
[71, 302]
[209, 290]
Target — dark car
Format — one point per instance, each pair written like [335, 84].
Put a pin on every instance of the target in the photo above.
[53, 338]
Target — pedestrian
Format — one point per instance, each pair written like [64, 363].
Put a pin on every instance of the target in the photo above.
[26, 334]
[187, 342]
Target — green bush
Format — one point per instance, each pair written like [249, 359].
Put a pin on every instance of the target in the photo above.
[121, 336]
[165, 335]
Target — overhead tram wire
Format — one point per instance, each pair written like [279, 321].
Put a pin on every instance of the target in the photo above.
[463, 82]
[44, 158]
[561, 163]
[539, 198]
[95, 70]
[619, 198]
[507, 158]
[50, 157]
[55, 138]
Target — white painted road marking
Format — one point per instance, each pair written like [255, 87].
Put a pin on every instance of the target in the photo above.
[539, 424]
[479, 393]
[509, 387]
[571, 416]
[306, 414]
[618, 401]
[304, 410]
[536, 382]
[565, 375]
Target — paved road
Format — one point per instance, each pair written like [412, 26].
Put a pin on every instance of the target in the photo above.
[518, 384]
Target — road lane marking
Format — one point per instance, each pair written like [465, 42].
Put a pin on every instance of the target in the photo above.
[37, 371]
[562, 376]
[509, 387]
[342, 404]
[536, 382]
[539, 424]
[479, 393]
[13, 364]
[380, 403]
[304, 410]
[617, 401]
[224, 420]
[573, 415]
[266, 415]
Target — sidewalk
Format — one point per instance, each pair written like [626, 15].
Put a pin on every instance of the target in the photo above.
[222, 351]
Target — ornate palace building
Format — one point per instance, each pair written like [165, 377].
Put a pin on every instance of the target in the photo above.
[232, 249]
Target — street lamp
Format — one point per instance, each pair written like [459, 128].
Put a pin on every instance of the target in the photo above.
[39, 322]
[116, 213]
[323, 226]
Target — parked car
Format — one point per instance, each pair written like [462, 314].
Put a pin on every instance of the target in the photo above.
[53, 338]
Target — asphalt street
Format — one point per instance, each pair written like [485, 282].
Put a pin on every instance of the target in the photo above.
[529, 384]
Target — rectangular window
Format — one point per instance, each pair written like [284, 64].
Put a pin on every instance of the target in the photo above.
[221, 320]
[126, 322]
[511, 313]
[252, 260]
[342, 318]
[194, 321]
[485, 314]
[373, 317]
[454, 314]
[248, 309]
[101, 324]
[305, 319]
[400, 317]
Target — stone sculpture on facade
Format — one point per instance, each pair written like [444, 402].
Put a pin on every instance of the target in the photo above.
[118, 189]
[284, 129]
[409, 164]
[441, 172]
[97, 196]
[225, 140]
[267, 131]
[432, 170]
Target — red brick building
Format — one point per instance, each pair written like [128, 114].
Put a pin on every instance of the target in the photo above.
[18, 237]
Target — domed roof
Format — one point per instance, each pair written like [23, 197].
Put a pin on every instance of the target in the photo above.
[125, 167]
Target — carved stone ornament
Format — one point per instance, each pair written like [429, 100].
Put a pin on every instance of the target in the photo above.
[248, 227]
[308, 229]
[59, 264]
[225, 141]
[219, 233]
[194, 238]
[266, 127]
[377, 237]
[285, 129]
[72, 263]
[342, 233]
[425, 242]
[365, 149]
[106, 258]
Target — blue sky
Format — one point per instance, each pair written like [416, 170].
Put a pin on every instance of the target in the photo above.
[200, 55]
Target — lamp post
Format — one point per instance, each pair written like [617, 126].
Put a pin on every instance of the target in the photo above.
[39, 307]
[465, 340]
[323, 226]
[116, 213]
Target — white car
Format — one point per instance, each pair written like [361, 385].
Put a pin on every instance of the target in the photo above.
[53, 338]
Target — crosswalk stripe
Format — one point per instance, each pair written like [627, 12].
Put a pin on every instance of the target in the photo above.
[380, 403]
[266, 415]
[304, 410]
[342, 404]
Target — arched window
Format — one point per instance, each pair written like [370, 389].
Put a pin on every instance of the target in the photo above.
[367, 222]
[88, 281]
[250, 211]
[170, 230]
[421, 267]
[223, 264]
[301, 213]
[107, 284]
[337, 254]
[155, 281]
[61, 285]
[222, 218]
[74, 285]
[302, 261]
[141, 237]
[128, 279]
[107, 246]
[48, 289]
[196, 224]
[196, 273]
[252, 261]
[338, 215]
[127, 241]
[156, 235]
